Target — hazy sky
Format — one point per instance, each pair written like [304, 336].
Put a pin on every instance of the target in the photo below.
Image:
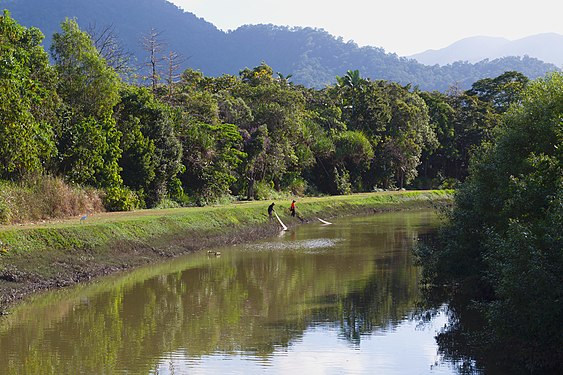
[404, 27]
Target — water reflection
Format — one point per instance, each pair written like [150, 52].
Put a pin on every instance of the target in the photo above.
[295, 299]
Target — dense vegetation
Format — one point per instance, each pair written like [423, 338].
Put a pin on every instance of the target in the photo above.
[503, 247]
[190, 139]
[313, 56]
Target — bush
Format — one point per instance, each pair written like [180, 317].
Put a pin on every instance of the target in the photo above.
[167, 203]
[449, 183]
[41, 197]
[296, 185]
[5, 214]
[120, 199]
[342, 180]
[264, 190]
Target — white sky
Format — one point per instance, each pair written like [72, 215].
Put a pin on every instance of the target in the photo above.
[404, 27]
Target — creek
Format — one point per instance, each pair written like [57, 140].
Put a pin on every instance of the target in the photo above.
[317, 299]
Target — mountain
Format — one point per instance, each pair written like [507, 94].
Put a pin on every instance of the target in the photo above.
[547, 47]
[313, 56]
[131, 21]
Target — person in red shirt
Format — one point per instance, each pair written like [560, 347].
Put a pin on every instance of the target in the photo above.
[292, 209]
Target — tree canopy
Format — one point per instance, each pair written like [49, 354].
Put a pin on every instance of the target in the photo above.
[503, 243]
[28, 101]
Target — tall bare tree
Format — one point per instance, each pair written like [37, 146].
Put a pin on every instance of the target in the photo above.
[174, 62]
[153, 45]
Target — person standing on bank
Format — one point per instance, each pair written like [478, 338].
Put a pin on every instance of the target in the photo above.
[270, 210]
[292, 209]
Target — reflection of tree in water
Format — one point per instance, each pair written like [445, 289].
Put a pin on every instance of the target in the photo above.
[383, 302]
[459, 342]
[462, 342]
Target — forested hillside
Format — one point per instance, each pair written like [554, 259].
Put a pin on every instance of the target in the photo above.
[313, 57]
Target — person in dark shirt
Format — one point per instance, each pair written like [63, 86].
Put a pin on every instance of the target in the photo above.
[271, 210]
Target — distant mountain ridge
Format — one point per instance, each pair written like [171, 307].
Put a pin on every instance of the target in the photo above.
[547, 47]
[312, 56]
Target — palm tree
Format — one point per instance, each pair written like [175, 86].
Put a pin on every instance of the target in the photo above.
[284, 80]
[352, 79]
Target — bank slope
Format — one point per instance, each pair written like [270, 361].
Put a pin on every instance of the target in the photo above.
[40, 257]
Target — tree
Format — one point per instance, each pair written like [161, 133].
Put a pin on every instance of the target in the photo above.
[256, 145]
[363, 103]
[212, 148]
[437, 163]
[151, 151]
[351, 79]
[111, 49]
[27, 101]
[474, 122]
[404, 137]
[281, 108]
[501, 91]
[87, 138]
[503, 243]
[153, 46]
[395, 122]
[211, 160]
[353, 154]
[173, 63]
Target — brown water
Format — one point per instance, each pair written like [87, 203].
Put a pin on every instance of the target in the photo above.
[318, 299]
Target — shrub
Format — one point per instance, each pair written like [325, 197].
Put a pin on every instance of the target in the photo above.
[43, 197]
[295, 184]
[342, 180]
[264, 190]
[5, 214]
[120, 199]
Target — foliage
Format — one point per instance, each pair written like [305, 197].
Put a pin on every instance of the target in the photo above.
[504, 240]
[87, 138]
[353, 153]
[151, 150]
[406, 134]
[265, 190]
[275, 140]
[27, 101]
[86, 83]
[462, 121]
[88, 152]
[501, 91]
[120, 199]
[342, 181]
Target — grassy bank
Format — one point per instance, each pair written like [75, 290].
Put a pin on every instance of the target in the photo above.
[42, 256]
